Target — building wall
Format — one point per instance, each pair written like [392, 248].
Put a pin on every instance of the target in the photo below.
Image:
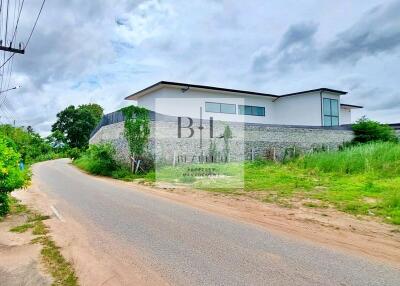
[248, 141]
[301, 109]
[174, 102]
[345, 116]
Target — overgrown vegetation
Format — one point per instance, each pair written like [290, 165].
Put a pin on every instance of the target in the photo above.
[98, 160]
[366, 130]
[11, 176]
[136, 132]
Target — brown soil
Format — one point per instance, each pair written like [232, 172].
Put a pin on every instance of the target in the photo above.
[94, 264]
[19, 259]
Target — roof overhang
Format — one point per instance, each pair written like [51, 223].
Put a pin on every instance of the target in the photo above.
[186, 86]
[350, 106]
[340, 92]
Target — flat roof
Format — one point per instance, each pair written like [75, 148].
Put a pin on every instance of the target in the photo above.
[185, 86]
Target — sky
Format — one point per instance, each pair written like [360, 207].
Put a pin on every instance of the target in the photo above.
[102, 51]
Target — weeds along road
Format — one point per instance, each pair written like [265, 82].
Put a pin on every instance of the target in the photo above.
[187, 246]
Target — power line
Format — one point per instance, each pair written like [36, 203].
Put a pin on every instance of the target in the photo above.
[34, 26]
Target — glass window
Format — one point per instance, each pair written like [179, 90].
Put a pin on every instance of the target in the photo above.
[251, 110]
[334, 107]
[228, 108]
[327, 121]
[327, 106]
[335, 121]
[220, 107]
[331, 112]
[213, 107]
[259, 111]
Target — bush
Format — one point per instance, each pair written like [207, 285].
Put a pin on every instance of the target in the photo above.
[11, 177]
[98, 160]
[366, 130]
[74, 153]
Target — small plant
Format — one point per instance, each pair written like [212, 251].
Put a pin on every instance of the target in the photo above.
[227, 135]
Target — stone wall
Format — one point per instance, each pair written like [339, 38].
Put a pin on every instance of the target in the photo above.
[248, 140]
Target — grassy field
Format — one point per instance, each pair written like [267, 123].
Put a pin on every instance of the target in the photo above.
[361, 180]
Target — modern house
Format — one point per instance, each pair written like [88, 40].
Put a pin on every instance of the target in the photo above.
[316, 107]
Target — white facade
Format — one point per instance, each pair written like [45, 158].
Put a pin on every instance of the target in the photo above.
[296, 109]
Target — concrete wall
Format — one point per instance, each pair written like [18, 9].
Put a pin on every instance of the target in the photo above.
[248, 140]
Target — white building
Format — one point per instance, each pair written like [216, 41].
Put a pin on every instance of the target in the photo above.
[317, 107]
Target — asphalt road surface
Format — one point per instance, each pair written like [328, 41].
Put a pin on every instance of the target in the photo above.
[188, 246]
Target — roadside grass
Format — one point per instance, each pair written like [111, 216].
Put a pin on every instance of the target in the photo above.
[22, 228]
[361, 180]
[61, 270]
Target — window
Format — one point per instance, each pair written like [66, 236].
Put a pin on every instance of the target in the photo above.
[331, 112]
[251, 110]
[220, 108]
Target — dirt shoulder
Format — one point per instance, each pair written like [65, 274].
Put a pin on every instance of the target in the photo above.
[20, 259]
[79, 243]
[328, 227]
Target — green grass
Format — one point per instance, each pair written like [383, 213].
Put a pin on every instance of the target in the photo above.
[361, 180]
[22, 228]
[60, 269]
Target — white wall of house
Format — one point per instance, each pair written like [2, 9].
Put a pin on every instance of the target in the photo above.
[300, 109]
[345, 116]
[174, 102]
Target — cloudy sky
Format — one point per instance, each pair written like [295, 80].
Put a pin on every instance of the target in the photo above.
[101, 51]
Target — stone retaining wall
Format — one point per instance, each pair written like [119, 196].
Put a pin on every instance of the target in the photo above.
[248, 141]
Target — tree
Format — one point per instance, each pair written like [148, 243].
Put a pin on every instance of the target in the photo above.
[28, 143]
[76, 124]
[366, 130]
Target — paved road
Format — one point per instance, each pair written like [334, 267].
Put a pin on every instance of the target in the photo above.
[192, 247]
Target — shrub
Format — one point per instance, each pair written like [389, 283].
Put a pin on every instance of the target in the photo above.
[366, 130]
[99, 159]
[74, 153]
[11, 177]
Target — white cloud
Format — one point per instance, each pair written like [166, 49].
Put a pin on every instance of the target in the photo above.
[101, 51]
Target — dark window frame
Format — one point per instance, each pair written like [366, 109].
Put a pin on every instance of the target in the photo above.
[220, 109]
[253, 109]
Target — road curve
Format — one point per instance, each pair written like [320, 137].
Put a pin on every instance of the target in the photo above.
[188, 246]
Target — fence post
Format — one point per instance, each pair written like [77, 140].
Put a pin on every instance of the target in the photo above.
[252, 154]
[174, 160]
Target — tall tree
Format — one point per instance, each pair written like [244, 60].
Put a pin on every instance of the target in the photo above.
[77, 123]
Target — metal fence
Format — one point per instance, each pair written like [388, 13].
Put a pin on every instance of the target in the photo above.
[107, 119]
[116, 117]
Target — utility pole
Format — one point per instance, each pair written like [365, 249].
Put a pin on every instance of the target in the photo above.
[10, 48]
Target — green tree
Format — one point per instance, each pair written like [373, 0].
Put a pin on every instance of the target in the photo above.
[366, 130]
[76, 124]
[27, 143]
